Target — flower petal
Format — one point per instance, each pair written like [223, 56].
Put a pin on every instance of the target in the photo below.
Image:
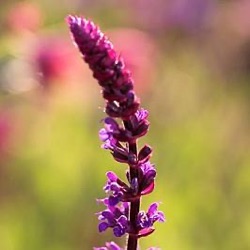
[103, 226]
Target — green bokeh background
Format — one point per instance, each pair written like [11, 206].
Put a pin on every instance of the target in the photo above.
[52, 168]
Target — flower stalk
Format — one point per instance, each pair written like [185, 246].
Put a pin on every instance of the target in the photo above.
[134, 205]
[125, 123]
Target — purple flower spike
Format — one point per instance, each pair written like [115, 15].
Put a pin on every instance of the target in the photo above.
[108, 68]
[125, 123]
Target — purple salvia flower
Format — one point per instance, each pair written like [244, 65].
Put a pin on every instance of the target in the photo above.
[147, 219]
[125, 124]
[116, 188]
[115, 217]
[147, 175]
[120, 191]
[108, 68]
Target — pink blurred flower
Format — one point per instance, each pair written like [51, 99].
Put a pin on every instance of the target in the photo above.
[24, 16]
[229, 43]
[140, 53]
[190, 15]
[161, 15]
[236, 15]
[56, 61]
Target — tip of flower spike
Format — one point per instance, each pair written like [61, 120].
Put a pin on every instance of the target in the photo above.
[70, 19]
[78, 21]
[73, 20]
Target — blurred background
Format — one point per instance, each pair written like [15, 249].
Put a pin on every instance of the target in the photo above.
[191, 63]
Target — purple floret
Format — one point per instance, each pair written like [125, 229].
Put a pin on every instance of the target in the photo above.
[109, 246]
[147, 219]
[115, 217]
